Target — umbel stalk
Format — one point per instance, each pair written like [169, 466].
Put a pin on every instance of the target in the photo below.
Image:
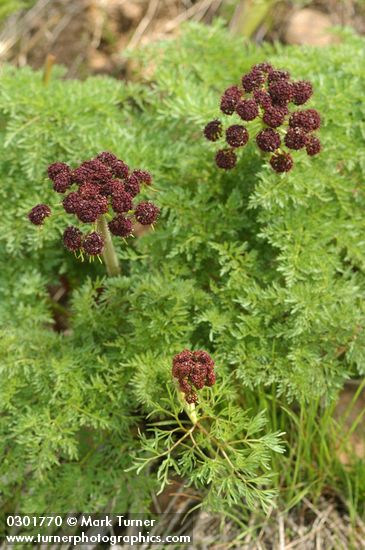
[189, 409]
[109, 256]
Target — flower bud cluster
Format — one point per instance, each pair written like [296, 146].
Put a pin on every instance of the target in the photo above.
[103, 185]
[193, 370]
[270, 97]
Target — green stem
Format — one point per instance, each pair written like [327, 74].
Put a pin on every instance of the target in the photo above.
[50, 59]
[190, 409]
[250, 15]
[109, 256]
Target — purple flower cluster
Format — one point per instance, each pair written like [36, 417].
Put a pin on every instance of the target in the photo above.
[95, 188]
[193, 370]
[268, 95]
[39, 213]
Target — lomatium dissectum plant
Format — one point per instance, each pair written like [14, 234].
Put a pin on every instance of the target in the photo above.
[269, 96]
[95, 189]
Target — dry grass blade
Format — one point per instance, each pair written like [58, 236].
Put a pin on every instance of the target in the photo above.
[144, 24]
[198, 9]
[281, 533]
[18, 25]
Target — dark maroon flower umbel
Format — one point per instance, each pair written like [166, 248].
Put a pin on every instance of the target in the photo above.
[61, 182]
[281, 91]
[132, 185]
[253, 80]
[72, 238]
[91, 171]
[276, 75]
[106, 158]
[309, 120]
[57, 168]
[236, 135]
[268, 140]
[119, 169]
[143, 176]
[121, 202]
[93, 244]
[262, 98]
[273, 117]
[146, 213]
[295, 138]
[39, 213]
[226, 159]
[193, 370]
[281, 162]
[71, 203]
[269, 95]
[302, 91]
[213, 130]
[97, 187]
[247, 109]
[88, 212]
[121, 226]
[60, 173]
[229, 100]
[313, 146]
[263, 67]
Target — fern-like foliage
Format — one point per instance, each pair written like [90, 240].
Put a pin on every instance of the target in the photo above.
[233, 464]
[265, 272]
